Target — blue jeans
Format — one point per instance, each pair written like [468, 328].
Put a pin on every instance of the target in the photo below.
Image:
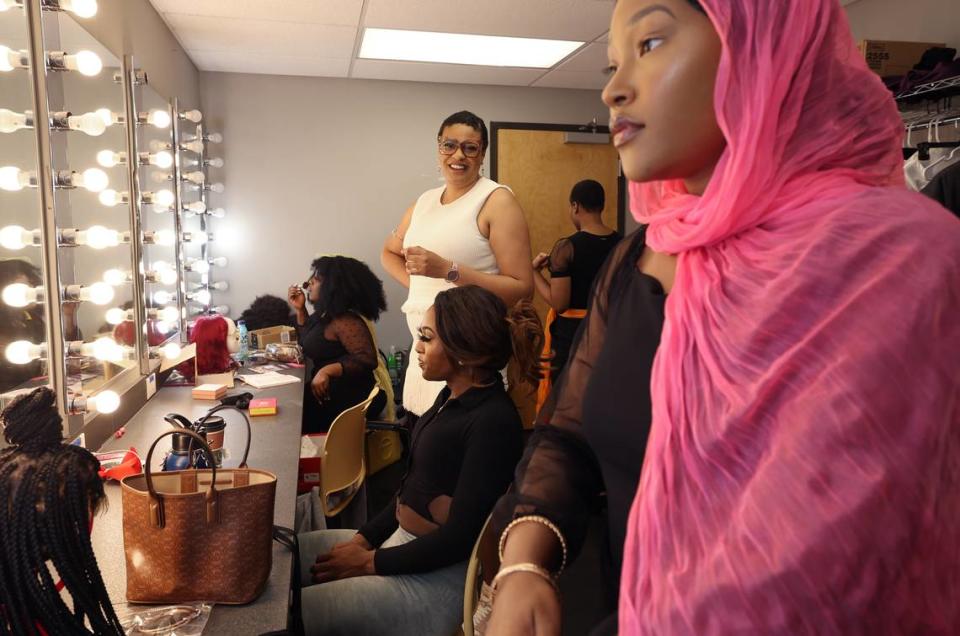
[428, 604]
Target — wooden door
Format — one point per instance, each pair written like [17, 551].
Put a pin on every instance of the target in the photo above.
[538, 164]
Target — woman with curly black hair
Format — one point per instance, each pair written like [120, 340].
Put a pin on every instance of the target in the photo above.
[336, 337]
[49, 492]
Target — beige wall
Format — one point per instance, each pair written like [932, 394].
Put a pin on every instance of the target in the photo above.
[318, 166]
[134, 27]
[906, 20]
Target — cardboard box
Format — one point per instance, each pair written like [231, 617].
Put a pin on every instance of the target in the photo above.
[311, 459]
[260, 338]
[887, 57]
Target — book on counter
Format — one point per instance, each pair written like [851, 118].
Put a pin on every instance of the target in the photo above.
[263, 406]
[209, 391]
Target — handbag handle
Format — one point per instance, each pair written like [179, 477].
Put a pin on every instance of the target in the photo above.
[224, 407]
[157, 516]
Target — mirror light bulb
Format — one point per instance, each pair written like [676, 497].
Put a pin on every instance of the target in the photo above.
[80, 8]
[220, 261]
[162, 297]
[215, 138]
[111, 198]
[159, 118]
[216, 187]
[13, 179]
[7, 4]
[164, 198]
[193, 115]
[170, 350]
[167, 277]
[11, 121]
[86, 62]
[104, 349]
[221, 285]
[14, 237]
[24, 352]
[107, 116]
[197, 238]
[19, 295]
[195, 146]
[162, 159]
[99, 237]
[99, 293]
[115, 277]
[203, 297]
[106, 401]
[200, 267]
[217, 212]
[116, 316]
[169, 314]
[89, 123]
[216, 162]
[165, 238]
[10, 59]
[91, 180]
[109, 158]
[195, 177]
[197, 207]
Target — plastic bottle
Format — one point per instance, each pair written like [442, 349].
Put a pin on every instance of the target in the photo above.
[392, 364]
[244, 353]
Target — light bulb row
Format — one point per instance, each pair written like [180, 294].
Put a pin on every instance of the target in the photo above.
[79, 8]
[13, 179]
[84, 62]
[22, 295]
[105, 349]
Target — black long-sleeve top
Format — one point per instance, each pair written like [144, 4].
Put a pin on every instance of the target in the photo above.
[465, 448]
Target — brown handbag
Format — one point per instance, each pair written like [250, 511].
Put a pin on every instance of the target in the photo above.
[198, 535]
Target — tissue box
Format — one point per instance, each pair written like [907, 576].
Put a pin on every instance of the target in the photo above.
[311, 459]
[260, 338]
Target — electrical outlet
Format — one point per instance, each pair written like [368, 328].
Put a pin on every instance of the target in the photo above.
[151, 385]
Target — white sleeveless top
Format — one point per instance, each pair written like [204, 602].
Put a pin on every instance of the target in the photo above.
[451, 231]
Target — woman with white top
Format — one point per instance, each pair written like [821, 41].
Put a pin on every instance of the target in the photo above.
[470, 231]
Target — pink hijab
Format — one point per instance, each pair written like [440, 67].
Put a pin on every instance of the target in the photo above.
[803, 468]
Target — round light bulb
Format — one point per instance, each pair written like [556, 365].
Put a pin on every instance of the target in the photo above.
[89, 123]
[18, 295]
[106, 115]
[163, 326]
[220, 261]
[7, 4]
[197, 207]
[115, 277]
[103, 349]
[109, 158]
[169, 314]
[218, 213]
[11, 121]
[203, 297]
[164, 198]
[216, 187]
[8, 59]
[164, 237]
[195, 177]
[215, 138]
[88, 63]
[168, 277]
[116, 316]
[106, 401]
[195, 146]
[193, 115]
[221, 285]
[111, 198]
[99, 237]
[216, 162]
[199, 238]
[156, 145]
[14, 237]
[159, 118]
[80, 8]
[100, 293]
[94, 180]
[162, 159]
[162, 297]
[200, 267]
[170, 350]
[11, 179]
[23, 352]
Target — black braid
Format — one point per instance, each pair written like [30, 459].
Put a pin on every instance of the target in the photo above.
[48, 491]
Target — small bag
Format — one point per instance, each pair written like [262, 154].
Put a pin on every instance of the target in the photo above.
[198, 535]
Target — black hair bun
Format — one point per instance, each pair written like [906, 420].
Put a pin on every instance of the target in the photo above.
[32, 420]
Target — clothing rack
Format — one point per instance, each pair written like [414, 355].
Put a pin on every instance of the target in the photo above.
[923, 148]
[932, 87]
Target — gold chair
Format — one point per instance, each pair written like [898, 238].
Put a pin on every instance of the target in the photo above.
[481, 568]
[343, 468]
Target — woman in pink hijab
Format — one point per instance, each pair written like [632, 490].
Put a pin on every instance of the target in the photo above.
[802, 473]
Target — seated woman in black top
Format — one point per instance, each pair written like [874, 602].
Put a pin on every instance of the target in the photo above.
[403, 572]
[573, 264]
[336, 338]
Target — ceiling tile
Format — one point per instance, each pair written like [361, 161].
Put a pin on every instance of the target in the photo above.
[572, 79]
[343, 12]
[201, 33]
[269, 64]
[582, 20]
[589, 59]
[447, 73]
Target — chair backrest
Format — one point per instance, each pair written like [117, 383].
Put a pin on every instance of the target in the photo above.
[343, 468]
[481, 568]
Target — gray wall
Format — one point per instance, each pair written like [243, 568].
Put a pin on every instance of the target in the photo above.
[320, 166]
[911, 21]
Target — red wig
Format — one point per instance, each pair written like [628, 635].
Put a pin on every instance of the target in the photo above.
[210, 335]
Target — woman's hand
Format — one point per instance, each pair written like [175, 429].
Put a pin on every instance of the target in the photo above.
[296, 297]
[320, 385]
[525, 605]
[345, 560]
[422, 262]
[540, 261]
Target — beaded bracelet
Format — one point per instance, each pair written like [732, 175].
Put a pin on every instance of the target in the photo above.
[542, 521]
[533, 568]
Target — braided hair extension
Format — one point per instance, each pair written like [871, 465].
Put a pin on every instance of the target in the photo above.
[49, 491]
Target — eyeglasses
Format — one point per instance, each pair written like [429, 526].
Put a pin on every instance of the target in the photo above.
[469, 148]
